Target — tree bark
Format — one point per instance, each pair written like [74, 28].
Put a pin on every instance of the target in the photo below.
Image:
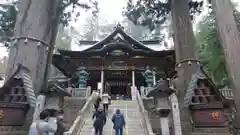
[230, 41]
[37, 19]
[184, 43]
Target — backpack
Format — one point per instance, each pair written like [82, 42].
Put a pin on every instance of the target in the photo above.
[97, 122]
[118, 120]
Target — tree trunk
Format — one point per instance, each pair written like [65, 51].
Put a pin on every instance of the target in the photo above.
[37, 19]
[184, 43]
[230, 41]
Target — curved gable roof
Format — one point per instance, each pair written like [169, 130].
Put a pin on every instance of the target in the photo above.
[118, 30]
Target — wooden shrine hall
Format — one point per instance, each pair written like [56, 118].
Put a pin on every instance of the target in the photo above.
[117, 63]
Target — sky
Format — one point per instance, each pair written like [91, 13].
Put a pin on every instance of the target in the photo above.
[110, 11]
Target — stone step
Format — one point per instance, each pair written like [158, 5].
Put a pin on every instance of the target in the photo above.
[130, 109]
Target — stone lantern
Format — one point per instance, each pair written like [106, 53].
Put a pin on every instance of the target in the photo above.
[149, 76]
[82, 78]
[55, 96]
[161, 92]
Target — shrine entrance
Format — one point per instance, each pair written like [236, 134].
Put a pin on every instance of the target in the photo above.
[118, 84]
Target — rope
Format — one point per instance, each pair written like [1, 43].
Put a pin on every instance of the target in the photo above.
[26, 38]
[189, 61]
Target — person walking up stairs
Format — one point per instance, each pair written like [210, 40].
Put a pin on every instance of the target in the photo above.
[118, 122]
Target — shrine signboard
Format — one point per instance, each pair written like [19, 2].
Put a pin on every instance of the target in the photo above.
[205, 118]
[11, 116]
[118, 65]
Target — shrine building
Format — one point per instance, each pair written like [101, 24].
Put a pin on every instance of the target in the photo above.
[117, 64]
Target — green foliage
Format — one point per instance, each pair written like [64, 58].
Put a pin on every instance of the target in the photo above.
[8, 14]
[91, 28]
[63, 41]
[210, 51]
[151, 13]
[95, 31]
[137, 31]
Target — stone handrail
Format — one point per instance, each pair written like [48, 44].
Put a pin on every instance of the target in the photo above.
[144, 113]
[82, 114]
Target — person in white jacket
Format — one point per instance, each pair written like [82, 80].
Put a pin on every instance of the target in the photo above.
[53, 120]
[105, 101]
[44, 126]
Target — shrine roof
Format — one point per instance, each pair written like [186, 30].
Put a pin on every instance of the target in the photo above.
[154, 47]
[107, 50]
[145, 42]
[118, 34]
[192, 86]
[117, 40]
[21, 73]
[55, 86]
[161, 89]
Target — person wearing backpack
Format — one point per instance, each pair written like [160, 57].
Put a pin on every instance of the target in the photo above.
[99, 122]
[97, 99]
[118, 122]
[60, 125]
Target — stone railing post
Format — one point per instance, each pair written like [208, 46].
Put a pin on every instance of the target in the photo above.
[144, 114]
[142, 90]
[82, 114]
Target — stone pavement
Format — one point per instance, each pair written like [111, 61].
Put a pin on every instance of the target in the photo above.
[132, 115]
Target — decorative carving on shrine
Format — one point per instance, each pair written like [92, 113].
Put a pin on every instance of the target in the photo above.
[205, 102]
[117, 53]
[120, 73]
[16, 97]
[118, 65]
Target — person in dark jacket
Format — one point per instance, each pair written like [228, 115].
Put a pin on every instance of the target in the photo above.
[99, 122]
[118, 122]
[61, 127]
[97, 103]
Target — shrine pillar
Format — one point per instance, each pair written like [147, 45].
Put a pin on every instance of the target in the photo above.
[133, 78]
[154, 78]
[133, 88]
[102, 83]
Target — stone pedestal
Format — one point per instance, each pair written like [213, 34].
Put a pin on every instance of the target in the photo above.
[164, 126]
[80, 92]
[175, 114]
[40, 102]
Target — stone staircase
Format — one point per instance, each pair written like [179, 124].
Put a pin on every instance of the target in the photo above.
[130, 109]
